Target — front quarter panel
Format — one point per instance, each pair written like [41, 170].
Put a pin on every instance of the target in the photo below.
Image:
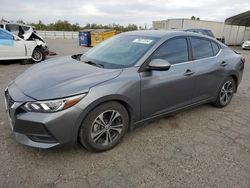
[124, 88]
[30, 46]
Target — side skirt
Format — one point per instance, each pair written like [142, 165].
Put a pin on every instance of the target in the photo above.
[169, 113]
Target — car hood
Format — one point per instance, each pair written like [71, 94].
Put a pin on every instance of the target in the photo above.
[61, 77]
[32, 35]
[247, 42]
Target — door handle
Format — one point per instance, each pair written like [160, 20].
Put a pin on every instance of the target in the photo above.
[188, 72]
[223, 63]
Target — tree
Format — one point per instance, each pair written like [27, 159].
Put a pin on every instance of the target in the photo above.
[194, 18]
[76, 27]
[64, 25]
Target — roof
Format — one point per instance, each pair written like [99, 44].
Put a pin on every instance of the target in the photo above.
[14, 23]
[242, 19]
[197, 30]
[164, 33]
[151, 33]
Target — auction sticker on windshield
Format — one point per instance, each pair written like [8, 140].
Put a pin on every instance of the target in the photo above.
[143, 41]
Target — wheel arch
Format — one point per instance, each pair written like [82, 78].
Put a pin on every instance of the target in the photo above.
[112, 98]
[39, 48]
[235, 78]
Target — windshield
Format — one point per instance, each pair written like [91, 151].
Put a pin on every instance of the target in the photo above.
[120, 51]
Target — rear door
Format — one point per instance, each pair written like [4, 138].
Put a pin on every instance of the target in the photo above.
[163, 91]
[208, 67]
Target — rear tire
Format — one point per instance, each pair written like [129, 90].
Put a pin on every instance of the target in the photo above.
[38, 55]
[226, 92]
[104, 127]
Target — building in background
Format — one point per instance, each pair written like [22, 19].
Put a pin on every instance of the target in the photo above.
[234, 33]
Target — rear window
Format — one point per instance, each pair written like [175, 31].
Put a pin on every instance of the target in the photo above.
[25, 28]
[201, 48]
[209, 33]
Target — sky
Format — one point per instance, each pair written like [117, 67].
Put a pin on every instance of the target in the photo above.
[139, 12]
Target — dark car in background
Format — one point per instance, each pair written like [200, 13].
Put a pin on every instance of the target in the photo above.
[206, 32]
[95, 98]
[202, 31]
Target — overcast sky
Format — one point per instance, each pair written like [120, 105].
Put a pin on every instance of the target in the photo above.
[119, 11]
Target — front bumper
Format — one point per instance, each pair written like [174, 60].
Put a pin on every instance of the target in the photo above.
[42, 130]
[45, 50]
[245, 46]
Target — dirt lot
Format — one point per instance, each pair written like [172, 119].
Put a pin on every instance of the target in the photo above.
[201, 147]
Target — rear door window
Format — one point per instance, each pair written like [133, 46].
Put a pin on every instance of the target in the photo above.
[25, 28]
[201, 48]
[174, 51]
[215, 47]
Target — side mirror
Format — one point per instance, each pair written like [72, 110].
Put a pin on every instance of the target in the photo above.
[159, 65]
[77, 56]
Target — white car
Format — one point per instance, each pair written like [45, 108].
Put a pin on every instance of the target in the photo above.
[16, 28]
[246, 45]
[14, 47]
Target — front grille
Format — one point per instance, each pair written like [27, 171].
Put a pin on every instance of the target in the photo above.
[10, 101]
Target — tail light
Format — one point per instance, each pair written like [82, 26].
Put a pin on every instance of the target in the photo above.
[243, 60]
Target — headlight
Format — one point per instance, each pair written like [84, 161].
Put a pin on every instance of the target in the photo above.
[52, 105]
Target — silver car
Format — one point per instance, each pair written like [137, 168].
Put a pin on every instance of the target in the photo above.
[95, 98]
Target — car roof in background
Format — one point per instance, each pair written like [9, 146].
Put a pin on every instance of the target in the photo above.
[13, 23]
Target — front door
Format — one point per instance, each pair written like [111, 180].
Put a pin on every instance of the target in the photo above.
[164, 91]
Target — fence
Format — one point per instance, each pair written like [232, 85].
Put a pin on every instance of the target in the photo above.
[58, 34]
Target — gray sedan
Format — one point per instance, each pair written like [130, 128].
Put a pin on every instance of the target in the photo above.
[95, 98]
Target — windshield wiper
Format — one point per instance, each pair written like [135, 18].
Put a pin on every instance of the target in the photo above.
[93, 63]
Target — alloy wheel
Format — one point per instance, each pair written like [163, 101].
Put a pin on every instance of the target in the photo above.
[226, 92]
[37, 55]
[107, 127]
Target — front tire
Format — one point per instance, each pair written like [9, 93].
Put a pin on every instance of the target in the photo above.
[38, 55]
[226, 92]
[104, 127]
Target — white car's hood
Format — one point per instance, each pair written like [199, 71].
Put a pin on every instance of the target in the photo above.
[32, 34]
[247, 42]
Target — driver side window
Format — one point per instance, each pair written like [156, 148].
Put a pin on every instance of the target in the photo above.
[174, 51]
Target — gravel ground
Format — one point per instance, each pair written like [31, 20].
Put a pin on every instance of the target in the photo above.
[201, 147]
